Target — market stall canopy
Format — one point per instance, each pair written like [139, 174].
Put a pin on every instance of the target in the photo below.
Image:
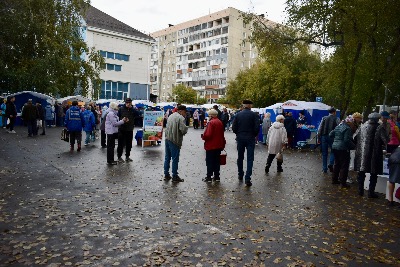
[78, 98]
[22, 97]
[314, 111]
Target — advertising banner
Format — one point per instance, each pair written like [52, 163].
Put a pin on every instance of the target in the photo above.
[153, 125]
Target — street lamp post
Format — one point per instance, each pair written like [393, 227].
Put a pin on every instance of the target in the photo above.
[161, 72]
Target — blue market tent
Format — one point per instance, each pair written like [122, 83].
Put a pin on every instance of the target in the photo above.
[314, 111]
[22, 97]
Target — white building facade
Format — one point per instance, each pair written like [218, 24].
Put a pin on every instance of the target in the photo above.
[203, 53]
[127, 56]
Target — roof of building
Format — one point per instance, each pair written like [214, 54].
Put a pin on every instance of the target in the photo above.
[99, 19]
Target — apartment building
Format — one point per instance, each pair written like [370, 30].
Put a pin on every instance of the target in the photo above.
[126, 52]
[203, 53]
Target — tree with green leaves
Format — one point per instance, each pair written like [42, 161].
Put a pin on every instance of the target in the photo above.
[363, 38]
[41, 48]
[183, 94]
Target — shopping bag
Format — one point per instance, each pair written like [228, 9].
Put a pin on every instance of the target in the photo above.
[65, 135]
[279, 157]
[222, 158]
[397, 194]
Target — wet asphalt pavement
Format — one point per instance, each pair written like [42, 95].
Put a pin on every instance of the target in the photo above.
[70, 209]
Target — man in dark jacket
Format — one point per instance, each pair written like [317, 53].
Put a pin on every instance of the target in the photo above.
[201, 118]
[11, 114]
[342, 144]
[219, 112]
[290, 126]
[327, 124]
[125, 131]
[29, 115]
[373, 140]
[74, 122]
[246, 126]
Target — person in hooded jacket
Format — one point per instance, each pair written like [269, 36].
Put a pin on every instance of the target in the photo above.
[112, 124]
[74, 122]
[372, 140]
[342, 137]
[90, 124]
[277, 140]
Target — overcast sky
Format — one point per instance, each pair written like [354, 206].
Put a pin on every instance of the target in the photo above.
[153, 15]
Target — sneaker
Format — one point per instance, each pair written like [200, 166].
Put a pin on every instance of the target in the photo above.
[120, 160]
[248, 183]
[207, 179]
[86, 144]
[240, 178]
[128, 159]
[217, 179]
[177, 179]
[350, 180]
[13, 132]
[167, 177]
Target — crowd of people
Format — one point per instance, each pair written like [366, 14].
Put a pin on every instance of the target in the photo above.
[371, 141]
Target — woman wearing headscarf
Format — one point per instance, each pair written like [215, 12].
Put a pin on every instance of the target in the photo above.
[277, 139]
[111, 128]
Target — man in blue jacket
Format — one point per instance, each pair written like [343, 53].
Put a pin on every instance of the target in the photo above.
[74, 121]
[246, 126]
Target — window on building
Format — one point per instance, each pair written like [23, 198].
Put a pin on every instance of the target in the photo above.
[243, 54]
[117, 90]
[117, 67]
[110, 55]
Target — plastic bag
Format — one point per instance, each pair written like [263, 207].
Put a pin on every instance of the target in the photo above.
[279, 157]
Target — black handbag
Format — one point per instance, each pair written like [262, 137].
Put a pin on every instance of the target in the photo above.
[65, 135]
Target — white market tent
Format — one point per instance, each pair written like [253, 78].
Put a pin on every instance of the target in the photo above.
[314, 111]
[78, 98]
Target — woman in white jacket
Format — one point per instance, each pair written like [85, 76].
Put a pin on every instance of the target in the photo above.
[277, 139]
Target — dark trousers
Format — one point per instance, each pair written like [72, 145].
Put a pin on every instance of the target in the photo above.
[341, 166]
[103, 138]
[202, 122]
[125, 139]
[242, 146]
[31, 127]
[212, 162]
[373, 179]
[11, 124]
[43, 127]
[110, 146]
[196, 124]
[269, 162]
[76, 135]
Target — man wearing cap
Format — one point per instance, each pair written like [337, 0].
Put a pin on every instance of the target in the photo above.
[246, 126]
[29, 115]
[125, 131]
[327, 124]
[372, 140]
[174, 132]
[385, 116]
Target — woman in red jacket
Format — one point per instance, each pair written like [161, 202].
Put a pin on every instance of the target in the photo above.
[214, 143]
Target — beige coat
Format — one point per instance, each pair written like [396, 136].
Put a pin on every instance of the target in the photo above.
[277, 137]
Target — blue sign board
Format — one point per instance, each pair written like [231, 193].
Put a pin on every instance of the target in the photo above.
[318, 99]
